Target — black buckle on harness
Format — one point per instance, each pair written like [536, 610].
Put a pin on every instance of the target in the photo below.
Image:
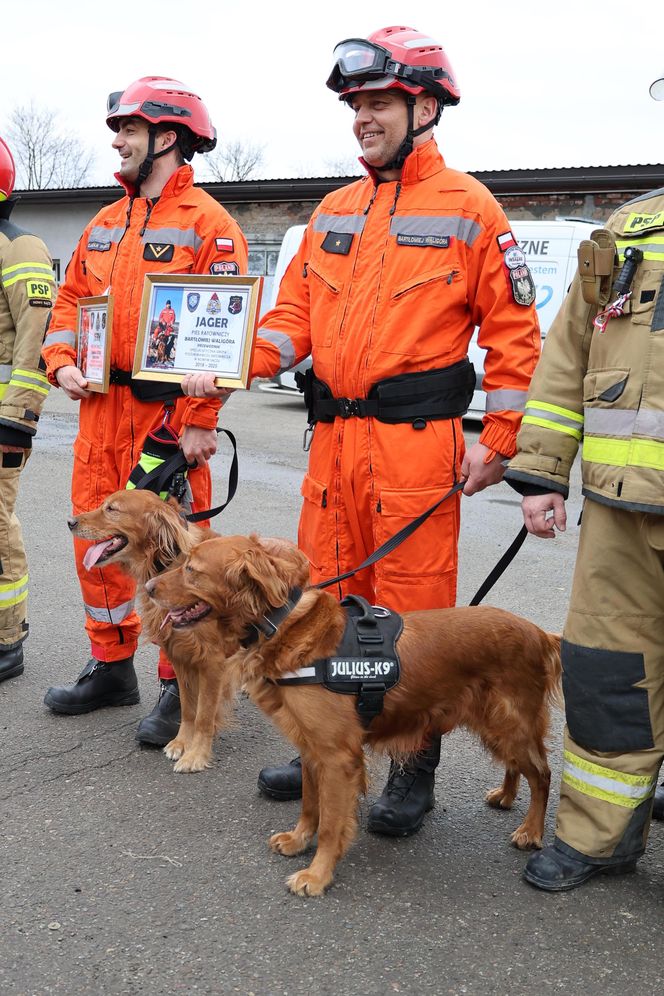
[122, 377]
[370, 701]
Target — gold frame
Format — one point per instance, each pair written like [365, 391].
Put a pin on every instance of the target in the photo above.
[249, 288]
[103, 303]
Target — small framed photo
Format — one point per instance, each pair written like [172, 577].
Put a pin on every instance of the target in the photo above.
[93, 346]
[195, 323]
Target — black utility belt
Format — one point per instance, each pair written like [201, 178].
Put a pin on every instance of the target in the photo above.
[145, 390]
[415, 397]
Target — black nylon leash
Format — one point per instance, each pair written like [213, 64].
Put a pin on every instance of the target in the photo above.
[394, 541]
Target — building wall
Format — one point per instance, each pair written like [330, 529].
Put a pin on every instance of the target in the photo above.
[264, 223]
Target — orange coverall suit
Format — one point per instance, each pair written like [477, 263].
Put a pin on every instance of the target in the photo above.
[183, 231]
[392, 279]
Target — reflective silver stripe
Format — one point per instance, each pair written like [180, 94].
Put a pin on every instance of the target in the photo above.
[39, 270]
[347, 224]
[35, 380]
[105, 236]
[65, 336]
[5, 373]
[284, 344]
[302, 672]
[114, 615]
[624, 422]
[12, 594]
[534, 411]
[506, 400]
[463, 229]
[173, 236]
[614, 422]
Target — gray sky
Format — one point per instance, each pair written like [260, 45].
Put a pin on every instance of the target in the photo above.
[542, 84]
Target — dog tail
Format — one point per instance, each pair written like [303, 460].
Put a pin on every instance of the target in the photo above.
[553, 670]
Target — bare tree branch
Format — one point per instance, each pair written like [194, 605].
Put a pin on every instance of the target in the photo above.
[347, 166]
[45, 157]
[235, 161]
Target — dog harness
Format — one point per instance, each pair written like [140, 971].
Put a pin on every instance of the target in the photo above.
[366, 662]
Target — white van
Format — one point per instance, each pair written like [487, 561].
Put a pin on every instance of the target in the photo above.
[550, 249]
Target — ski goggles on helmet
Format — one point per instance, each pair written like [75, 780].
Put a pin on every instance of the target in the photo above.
[150, 109]
[657, 90]
[358, 60]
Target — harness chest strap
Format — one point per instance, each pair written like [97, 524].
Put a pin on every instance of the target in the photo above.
[366, 662]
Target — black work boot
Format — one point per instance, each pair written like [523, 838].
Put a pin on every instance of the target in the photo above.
[283, 782]
[163, 723]
[658, 804]
[100, 684]
[408, 795]
[11, 662]
[553, 870]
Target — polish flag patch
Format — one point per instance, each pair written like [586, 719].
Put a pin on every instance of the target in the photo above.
[505, 241]
[224, 245]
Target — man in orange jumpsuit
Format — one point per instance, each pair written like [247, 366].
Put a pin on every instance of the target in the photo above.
[162, 225]
[393, 275]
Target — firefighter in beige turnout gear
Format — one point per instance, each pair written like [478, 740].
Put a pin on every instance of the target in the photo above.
[600, 382]
[26, 296]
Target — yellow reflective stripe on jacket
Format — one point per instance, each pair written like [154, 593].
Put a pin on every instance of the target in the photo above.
[652, 246]
[616, 787]
[549, 416]
[26, 271]
[32, 380]
[624, 452]
[13, 593]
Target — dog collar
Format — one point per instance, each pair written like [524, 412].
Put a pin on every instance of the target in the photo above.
[271, 621]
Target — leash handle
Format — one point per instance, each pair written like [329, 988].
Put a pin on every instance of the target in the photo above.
[209, 513]
[394, 541]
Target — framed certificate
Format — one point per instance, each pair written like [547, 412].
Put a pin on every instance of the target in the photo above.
[195, 323]
[93, 345]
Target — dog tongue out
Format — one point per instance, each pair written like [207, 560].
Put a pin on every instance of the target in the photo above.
[94, 553]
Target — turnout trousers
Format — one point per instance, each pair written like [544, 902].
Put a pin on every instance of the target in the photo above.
[112, 429]
[13, 563]
[613, 680]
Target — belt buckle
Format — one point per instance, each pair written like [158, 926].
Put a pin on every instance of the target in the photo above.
[348, 407]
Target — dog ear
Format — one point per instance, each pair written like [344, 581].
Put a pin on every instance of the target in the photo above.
[163, 535]
[258, 578]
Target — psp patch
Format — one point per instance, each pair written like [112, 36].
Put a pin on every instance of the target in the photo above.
[425, 241]
[523, 286]
[158, 252]
[225, 268]
[643, 222]
[338, 243]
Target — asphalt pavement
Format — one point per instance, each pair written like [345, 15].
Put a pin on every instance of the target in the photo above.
[121, 877]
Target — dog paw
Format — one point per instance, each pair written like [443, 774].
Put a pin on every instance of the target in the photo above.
[288, 843]
[526, 840]
[305, 883]
[174, 749]
[192, 761]
[498, 800]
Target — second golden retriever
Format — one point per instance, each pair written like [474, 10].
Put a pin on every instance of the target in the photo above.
[481, 668]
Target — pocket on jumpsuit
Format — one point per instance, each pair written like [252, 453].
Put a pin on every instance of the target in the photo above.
[85, 482]
[316, 529]
[432, 548]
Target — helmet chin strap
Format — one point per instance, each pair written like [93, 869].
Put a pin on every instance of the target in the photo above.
[406, 146]
[145, 168]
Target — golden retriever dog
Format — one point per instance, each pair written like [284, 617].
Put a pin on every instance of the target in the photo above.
[144, 536]
[480, 668]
